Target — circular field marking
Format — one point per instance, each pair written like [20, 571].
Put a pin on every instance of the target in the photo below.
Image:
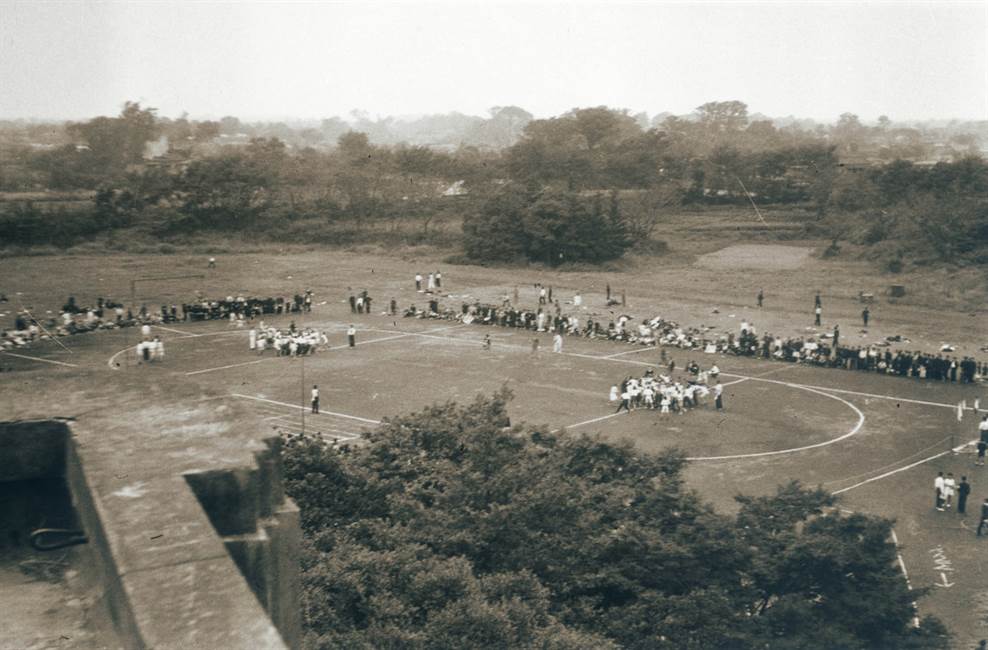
[112, 361]
[793, 450]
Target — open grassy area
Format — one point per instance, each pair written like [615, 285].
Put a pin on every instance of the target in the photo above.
[847, 431]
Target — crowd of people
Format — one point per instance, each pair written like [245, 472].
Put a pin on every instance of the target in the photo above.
[822, 350]
[106, 313]
[666, 394]
[293, 342]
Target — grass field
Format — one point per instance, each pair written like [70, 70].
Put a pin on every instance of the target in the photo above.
[877, 440]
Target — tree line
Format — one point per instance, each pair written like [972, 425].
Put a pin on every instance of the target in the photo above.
[544, 187]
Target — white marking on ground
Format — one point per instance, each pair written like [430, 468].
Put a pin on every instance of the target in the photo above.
[621, 354]
[329, 349]
[907, 467]
[24, 356]
[296, 406]
[171, 329]
[853, 431]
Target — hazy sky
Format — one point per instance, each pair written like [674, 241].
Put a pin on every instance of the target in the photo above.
[278, 60]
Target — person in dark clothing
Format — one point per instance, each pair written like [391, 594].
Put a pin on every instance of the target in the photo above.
[353, 303]
[963, 489]
[984, 516]
[761, 297]
[865, 315]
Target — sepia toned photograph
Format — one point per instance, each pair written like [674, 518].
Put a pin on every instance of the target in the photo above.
[536, 325]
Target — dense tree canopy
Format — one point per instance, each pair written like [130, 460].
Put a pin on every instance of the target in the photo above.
[450, 529]
[552, 227]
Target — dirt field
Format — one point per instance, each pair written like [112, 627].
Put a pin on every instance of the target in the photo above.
[878, 440]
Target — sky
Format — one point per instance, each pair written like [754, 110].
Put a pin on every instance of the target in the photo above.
[281, 60]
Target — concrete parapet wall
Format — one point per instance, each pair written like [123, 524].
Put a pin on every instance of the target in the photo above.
[260, 528]
[186, 559]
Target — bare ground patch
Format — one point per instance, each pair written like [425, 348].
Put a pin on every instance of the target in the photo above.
[757, 256]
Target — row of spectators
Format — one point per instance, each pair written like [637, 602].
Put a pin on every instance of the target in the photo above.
[824, 350]
[109, 314]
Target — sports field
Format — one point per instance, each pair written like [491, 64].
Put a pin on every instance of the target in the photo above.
[876, 440]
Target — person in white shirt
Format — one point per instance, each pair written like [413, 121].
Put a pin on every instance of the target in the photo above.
[557, 343]
[938, 486]
[252, 337]
[948, 490]
[351, 335]
[315, 398]
[718, 396]
[146, 331]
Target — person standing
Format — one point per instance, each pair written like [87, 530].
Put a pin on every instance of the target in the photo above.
[353, 302]
[938, 491]
[608, 293]
[963, 489]
[836, 337]
[351, 335]
[816, 301]
[557, 343]
[418, 282]
[431, 284]
[718, 396]
[948, 490]
[761, 298]
[983, 431]
[984, 516]
[439, 279]
[817, 312]
[626, 404]
[252, 337]
[315, 398]
[865, 315]
[487, 342]
[394, 307]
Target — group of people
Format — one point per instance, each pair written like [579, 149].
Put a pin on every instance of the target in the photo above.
[430, 283]
[293, 342]
[106, 313]
[824, 350]
[667, 395]
[72, 319]
[238, 308]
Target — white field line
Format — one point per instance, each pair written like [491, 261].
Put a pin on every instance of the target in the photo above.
[853, 431]
[591, 421]
[24, 356]
[304, 408]
[621, 354]
[232, 365]
[759, 376]
[329, 349]
[112, 360]
[171, 329]
[907, 467]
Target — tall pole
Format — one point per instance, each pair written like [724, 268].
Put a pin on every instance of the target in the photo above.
[302, 356]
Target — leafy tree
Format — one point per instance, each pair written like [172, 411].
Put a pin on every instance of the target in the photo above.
[450, 529]
[551, 227]
[115, 142]
[723, 117]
